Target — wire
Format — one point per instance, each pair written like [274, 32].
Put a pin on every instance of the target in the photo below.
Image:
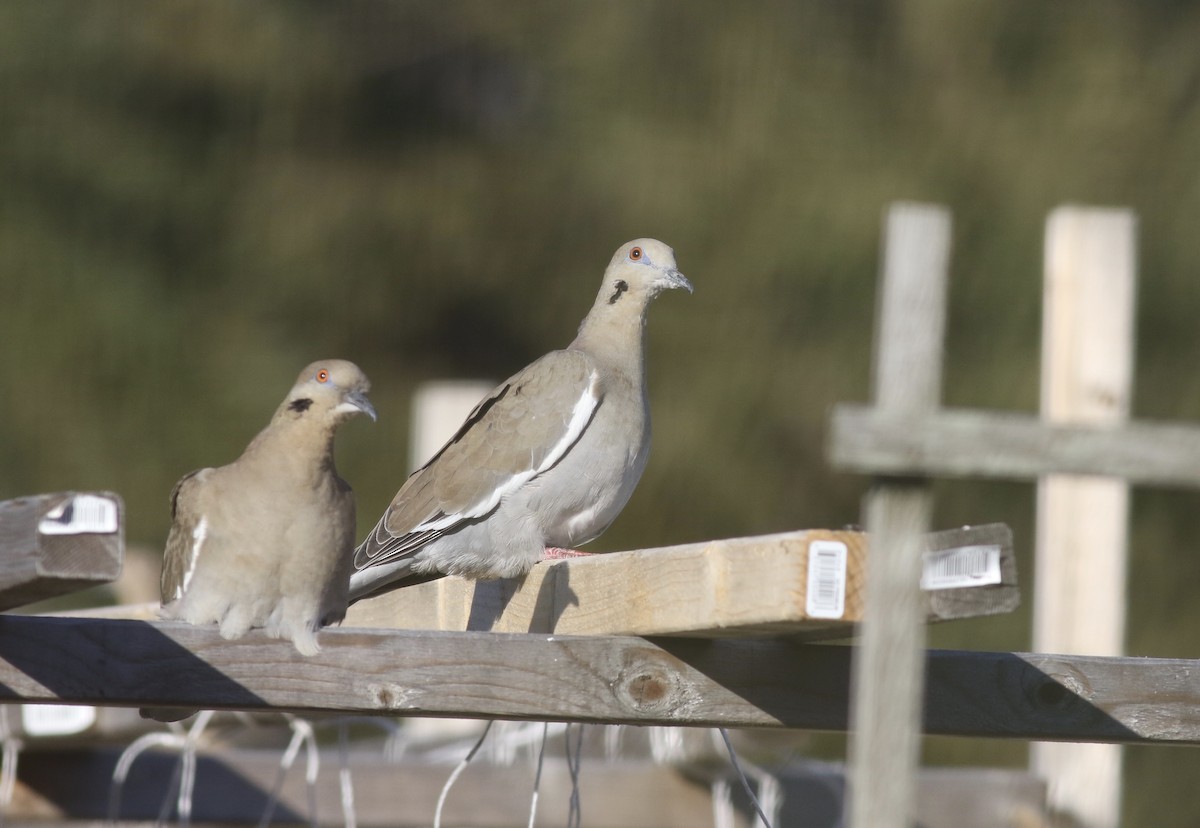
[742, 775]
[454, 774]
[575, 811]
[346, 783]
[537, 778]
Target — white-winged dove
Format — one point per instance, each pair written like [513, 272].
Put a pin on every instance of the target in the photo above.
[267, 540]
[548, 459]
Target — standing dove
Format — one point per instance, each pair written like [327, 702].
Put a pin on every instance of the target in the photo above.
[266, 541]
[548, 459]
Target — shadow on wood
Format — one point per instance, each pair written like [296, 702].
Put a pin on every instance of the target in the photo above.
[608, 679]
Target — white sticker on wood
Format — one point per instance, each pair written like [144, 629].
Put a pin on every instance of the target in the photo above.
[965, 566]
[81, 515]
[826, 579]
[56, 719]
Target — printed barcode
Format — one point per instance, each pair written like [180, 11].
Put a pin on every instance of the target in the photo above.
[82, 514]
[826, 579]
[966, 566]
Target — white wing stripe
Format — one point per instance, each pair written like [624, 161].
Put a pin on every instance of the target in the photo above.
[580, 415]
[199, 534]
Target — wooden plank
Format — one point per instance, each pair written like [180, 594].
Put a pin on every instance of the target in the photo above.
[736, 587]
[231, 787]
[1009, 445]
[603, 679]
[1082, 523]
[438, 409]
[910, 326]
[55, 544]
[727, 587]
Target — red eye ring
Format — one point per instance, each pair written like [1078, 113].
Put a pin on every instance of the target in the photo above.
[635, 253]
[322, 375]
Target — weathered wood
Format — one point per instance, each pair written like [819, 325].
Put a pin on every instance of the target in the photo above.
[911, 315]
[231, 787]
[741, 586]
[614, 680]
[1003, 444]
[726, 587]
[55, 544]
[1082, 524]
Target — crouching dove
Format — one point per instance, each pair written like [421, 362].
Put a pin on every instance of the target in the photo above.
[266, 541]
[548, 459]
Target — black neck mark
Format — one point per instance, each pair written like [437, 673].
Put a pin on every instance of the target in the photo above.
[299, 406]
[621, 286]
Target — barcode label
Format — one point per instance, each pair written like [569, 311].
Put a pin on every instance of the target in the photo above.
[826, 579]
[82, 514]
[966, 566]
[56, 719]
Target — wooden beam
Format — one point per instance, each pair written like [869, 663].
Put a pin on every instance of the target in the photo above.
[741, 586]
[613, 680]
[1009, 445]
[911, 318]
[55, 544]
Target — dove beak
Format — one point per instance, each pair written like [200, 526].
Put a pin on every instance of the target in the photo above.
[674, 279]
[358, 401]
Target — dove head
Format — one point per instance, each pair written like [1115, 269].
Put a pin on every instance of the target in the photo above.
[332, 389]
[639, 271]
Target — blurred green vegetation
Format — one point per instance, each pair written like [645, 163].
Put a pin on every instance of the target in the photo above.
[198, 198]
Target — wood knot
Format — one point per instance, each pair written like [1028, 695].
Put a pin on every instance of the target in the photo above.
[390, 696]
[648, 686]
[1058, 689]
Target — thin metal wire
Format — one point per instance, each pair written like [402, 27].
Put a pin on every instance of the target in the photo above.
[742, 775]
[575, 811]
[302, 736]
[454, 774]
[537, 777]
[349, 816]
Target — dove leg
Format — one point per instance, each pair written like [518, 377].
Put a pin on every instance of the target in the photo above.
[557, 553]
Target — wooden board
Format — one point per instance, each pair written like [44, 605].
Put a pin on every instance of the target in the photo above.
[607, 679]
[742, 586]
[1082, 551]
[907, 377]
[1009, 445]
[55, 544]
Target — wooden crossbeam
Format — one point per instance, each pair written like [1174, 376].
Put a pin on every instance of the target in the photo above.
[739, 586]
[965, 443]
[621, 679]
[55, 544]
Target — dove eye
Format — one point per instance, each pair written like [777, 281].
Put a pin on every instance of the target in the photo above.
[322, 375]
[635, 254]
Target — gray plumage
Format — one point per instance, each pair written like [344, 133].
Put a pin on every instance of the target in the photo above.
[266, 541]
[549, 458]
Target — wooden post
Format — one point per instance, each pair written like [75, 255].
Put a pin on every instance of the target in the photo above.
[438, 409]
[1079, 598]
[888, 672]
